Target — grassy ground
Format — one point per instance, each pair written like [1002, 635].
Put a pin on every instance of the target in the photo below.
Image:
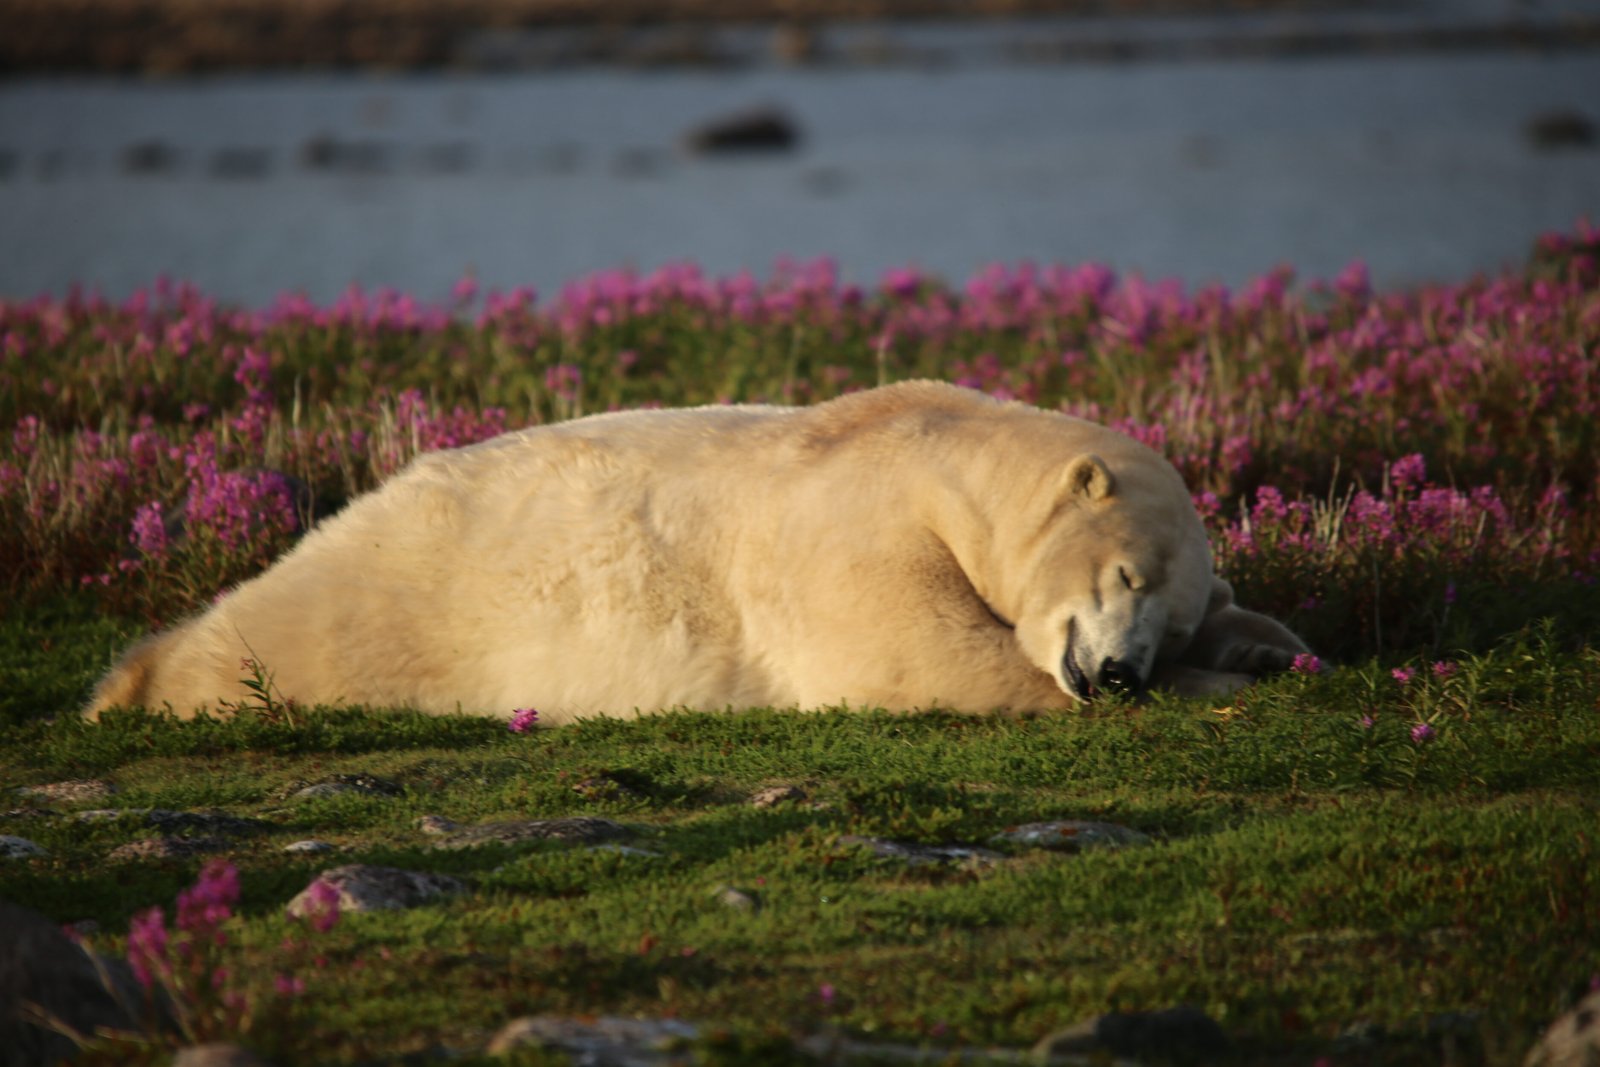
[1388, 862]
[1311, 876]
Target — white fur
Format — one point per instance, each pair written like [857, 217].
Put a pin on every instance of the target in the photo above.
[912, 546]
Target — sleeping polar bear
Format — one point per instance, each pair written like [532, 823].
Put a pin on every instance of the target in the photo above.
[913, 546]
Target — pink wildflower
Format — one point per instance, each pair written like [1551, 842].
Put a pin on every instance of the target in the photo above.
[323, 905]
[1422, 733]
[147, 946]
[1306, 663]
[1444, 669]
[1403, 675]
[150, 530]
[523, 720]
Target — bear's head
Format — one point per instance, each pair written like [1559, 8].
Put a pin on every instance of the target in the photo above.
[1118, 575]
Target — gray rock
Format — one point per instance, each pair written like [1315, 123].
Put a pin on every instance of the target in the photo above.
[42, 966]
[348, 785]
[217, 1054]
[774, 795]
[74, 791]
[1069, 835]
[19, 848]
[29, 813]
[736, 898]
[605, 787]
[577, 828]
[762, 129]
[625, 850]
[1573, 1040]
[1183, 1035]
[606, 1041]
[919, 855]
[210, 822]
[166, 848]
[437, 825]
[364, 887]
[831, 1046]
[308, 845]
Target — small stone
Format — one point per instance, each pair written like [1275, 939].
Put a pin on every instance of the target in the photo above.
[1573, 1040]
[625, 850]
[774, 795]
[350, 784]
[604, 787]
[919, 855]
[170, 821]
[1069, 835]
[109, 814]
[20, 848]
[308, 845]
[757, 130]
[437, 824]
[166, 848]
[29, 813]
[736, 898]
[329, 789]
[73, 791]
[1182, 1035]
[577, 828]
[603, 1040]
[217, 1054]
[364, 887]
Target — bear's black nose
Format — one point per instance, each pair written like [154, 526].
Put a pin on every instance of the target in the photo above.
[1119, 676]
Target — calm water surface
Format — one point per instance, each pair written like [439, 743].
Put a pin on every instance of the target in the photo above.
[1209, 171]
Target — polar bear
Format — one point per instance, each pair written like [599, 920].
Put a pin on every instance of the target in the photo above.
[913, 546]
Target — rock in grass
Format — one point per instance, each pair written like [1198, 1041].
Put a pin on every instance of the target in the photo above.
[607, 1040]
[166, 848]
[736, 898]
[918, 855]
[605, 786]
[308, 845]
[365, 887]
[774, 795]
[1573, 1040]
[437, 825]
[625, 850]
[29, 813]
[217, 1054]
[39, 964]
[577, 828]
[205, 822]
[350, 785]
[1182, 1036]
[19, 848]
[74, 791]
[1069, 835]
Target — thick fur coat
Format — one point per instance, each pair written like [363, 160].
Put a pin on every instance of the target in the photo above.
[913, 546]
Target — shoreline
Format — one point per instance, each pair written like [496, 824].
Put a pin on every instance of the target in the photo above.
[167, 38]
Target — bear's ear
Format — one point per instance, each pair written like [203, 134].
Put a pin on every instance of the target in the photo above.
[1088, 477]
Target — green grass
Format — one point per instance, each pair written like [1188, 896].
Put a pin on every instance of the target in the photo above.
[1309, 873]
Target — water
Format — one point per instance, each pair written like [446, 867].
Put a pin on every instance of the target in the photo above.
[1204, 170]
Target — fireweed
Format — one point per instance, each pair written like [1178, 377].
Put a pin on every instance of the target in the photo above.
[1361, 458]
[198, 985]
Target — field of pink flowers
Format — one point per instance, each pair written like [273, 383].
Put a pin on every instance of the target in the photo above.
[1388, 471]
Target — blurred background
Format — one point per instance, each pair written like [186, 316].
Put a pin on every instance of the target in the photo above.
[257, 147]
